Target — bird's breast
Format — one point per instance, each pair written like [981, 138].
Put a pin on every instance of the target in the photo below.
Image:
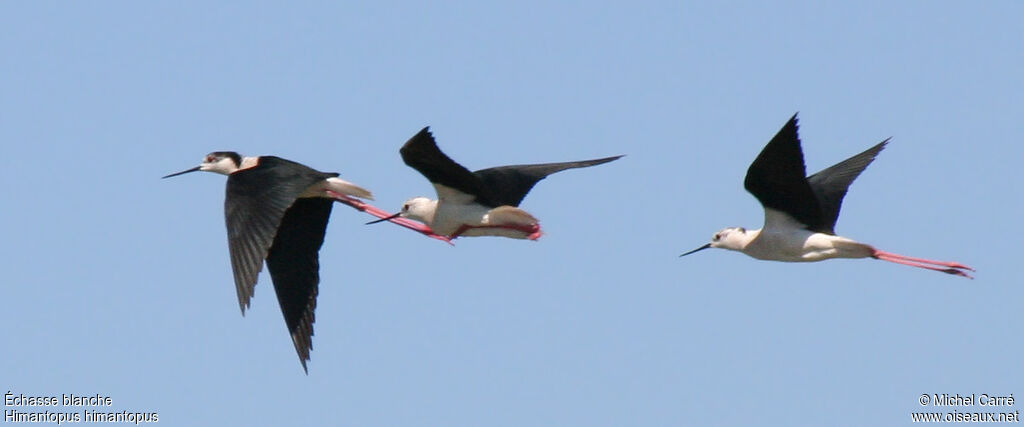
[449, 217]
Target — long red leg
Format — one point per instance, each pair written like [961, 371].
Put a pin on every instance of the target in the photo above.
[380, 213]
[951, 267]
[922, 260]
[462, 229]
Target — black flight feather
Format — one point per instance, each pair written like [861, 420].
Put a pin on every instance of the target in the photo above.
[493, 187]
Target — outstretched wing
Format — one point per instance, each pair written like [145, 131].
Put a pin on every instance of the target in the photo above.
[294, 264]
[508, 185]
[830, 185]
[256, 201]
[421, 153]
[777, 178]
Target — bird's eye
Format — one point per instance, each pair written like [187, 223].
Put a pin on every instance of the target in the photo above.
[717, 236]
[405, 207]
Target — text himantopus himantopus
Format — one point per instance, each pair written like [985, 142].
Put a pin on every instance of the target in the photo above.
[800, 212]
[277, 210]
[480, 203]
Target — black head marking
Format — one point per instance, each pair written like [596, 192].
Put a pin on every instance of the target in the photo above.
[217, 155]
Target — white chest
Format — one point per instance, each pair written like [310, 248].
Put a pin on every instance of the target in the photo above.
[449, 217]
[802, 246]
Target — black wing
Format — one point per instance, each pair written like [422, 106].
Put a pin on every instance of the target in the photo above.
[508, 185]
[294, 264]
[421, 153]
[777, 178]
[830, 185]
[256, 201]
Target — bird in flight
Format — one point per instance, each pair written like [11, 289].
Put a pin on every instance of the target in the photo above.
[276, 211]
[480, 203]
[800, 211]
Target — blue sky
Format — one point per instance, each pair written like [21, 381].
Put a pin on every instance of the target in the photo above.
[118, 283]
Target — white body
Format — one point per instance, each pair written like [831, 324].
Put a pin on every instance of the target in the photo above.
[802, 246]
[455, 209]
[785, 239]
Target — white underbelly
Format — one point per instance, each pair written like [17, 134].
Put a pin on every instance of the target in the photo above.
[450, 217]
[804, 246]
[483, 221]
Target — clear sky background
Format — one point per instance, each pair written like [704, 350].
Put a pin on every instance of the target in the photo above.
[118, 283]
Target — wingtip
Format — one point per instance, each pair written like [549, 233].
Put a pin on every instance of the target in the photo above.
[303, 348]
[790, 130]
[424, 136]
[613, 158]
[876, 149]
[602, 160]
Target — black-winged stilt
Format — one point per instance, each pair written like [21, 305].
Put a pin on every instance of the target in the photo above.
[800, 212]
[480, 203]
[277, 210]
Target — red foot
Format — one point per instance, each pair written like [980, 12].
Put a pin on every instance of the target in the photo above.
[382, 214]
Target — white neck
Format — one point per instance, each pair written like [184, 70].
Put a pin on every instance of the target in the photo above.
[421, 209]
[248, 162]
[738, 241]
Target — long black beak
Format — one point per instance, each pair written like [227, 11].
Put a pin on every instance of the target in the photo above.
[182, 172]
[385, 219]
[697, 250]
